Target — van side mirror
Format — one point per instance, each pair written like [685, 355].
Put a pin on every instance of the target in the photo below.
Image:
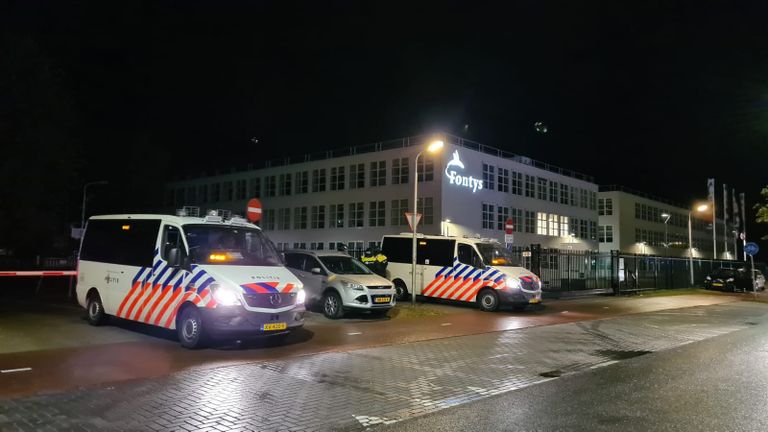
[316, 271]
[174, 257]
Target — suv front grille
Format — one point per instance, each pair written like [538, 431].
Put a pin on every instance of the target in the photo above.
[378, 287]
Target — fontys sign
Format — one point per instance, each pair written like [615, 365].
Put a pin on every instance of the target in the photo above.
[457, 178]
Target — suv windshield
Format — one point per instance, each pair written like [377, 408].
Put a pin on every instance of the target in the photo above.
[495, 254]
[230, 246]
[344, 265]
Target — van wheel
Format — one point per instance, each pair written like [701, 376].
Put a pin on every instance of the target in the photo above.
[95, 310]
[488, 300]
[190, 328]
[401, 292]
[332, 308]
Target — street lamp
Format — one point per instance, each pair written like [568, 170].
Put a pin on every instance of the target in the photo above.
[699, 208]
[85, 187]
[433, 147]
[666, 217]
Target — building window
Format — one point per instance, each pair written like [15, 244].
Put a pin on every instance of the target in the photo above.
[601, 206]
[269, 220]
[541, 227]
[216, 192]
[564, 229]
[489, 177]
[318, 217]
[530, 221]
[530, 186]
[487, 215]
[284, 219]
[376, 213]
[300, 218]
[255, 187]
[357, 176]
[542, 188]
[502, 180]
[517, 183]
[202, 194]
[302, 182]
[337, 178]
[502, 214]
[285, 184]
[397, 212]
[605, 233]
[563, 193]
[378, 173]
[426, 168]
[400, 171]
[318, 180]
[593, 230]
[316, 246]
[298, 245]
[583, 233]
[574, 196]
[240, 189]
[228, 191]
[424, 206]
[637, 210]
[356, 212]
[592, 200]
[553, 191]
[574, 228]
[270, 186]
[553, 227]
[337, 215]
[584, 198]
[517, 219]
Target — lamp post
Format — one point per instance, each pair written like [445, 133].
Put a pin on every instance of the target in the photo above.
[433, 147]
[699, 208]
[85, 188]
[666, 217]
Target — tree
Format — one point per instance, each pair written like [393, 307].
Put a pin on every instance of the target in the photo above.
[762, 209]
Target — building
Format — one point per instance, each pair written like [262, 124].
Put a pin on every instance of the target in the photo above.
[634, 222]
[355, 196]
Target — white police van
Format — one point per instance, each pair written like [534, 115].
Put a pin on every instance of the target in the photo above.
[460, 269]
[202, 276]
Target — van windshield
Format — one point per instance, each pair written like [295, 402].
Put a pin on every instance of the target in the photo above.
[495, 255]
[223, 245]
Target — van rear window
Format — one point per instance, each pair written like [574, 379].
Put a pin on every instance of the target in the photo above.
[120, 241]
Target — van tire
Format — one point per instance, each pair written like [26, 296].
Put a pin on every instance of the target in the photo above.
[488, 300]
[95, 310]
[332, 305]
[401, 291]
[189, 328]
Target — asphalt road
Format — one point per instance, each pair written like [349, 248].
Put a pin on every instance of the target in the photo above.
[718, 384]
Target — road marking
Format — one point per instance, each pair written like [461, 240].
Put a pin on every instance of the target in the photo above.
[606, 307]
[25, 369]
[603, 364]
[445, 324]
[354, 333]
[564, 312]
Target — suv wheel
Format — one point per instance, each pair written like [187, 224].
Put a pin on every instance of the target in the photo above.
[332, 306]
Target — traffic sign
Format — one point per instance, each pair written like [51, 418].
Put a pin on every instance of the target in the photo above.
[751, 248]
[253, 210]
[509, 238]
[413, 219]
[508, 226]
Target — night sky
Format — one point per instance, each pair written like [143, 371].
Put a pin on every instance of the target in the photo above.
[653, 95]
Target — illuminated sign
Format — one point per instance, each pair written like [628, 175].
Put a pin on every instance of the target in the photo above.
[457, 179]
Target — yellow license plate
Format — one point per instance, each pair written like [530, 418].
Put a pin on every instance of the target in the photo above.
[717, 284]
[274, 326]
[534, 300]
[382, 299]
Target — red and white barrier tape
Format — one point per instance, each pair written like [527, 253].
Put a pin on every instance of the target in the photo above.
[39, 273]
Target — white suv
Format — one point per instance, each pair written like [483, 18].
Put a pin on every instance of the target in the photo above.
[337, 281]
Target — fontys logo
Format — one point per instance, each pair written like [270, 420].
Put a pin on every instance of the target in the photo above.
[455, 178]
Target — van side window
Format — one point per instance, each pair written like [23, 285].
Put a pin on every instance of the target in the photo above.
[467, 255]
[120, 241]
[171, 239]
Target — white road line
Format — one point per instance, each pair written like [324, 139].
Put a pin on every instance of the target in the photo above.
[26, 369]
[354, 333]
[445, 324]
[604, 364]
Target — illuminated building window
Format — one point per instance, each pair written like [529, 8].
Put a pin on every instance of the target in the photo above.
[541, 227]
[564, 230]
[553, 226]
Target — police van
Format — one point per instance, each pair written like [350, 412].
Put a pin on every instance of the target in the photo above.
[460, 269]
[201, 276]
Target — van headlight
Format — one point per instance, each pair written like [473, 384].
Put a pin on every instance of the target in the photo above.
[513, 283]
[225, 295]
[729, 280]
[301, 296]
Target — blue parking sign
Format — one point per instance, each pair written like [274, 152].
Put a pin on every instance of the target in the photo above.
[751, 248]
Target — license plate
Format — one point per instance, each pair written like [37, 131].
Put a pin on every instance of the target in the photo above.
[717, 284]
[382, 299]
[274, 326]
[534, 300]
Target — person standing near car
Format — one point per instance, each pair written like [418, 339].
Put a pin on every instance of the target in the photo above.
[375, 261]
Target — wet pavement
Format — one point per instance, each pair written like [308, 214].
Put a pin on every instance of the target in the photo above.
[361, 388]
[31, 336]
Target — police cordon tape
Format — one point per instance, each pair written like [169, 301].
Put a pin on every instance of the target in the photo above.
[39, 273]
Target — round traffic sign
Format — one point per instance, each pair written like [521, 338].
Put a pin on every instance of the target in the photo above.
[751, 248]
[253, 210]
[508, 226]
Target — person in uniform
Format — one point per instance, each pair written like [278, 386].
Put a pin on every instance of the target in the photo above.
[375, 261]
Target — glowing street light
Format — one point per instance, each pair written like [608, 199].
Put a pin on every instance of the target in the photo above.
[699, 208]
[433, 147]
[666, 217]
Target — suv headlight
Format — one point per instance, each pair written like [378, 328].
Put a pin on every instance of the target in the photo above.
[352, 285]
[225, 295]
[301, 296]
[729, 280]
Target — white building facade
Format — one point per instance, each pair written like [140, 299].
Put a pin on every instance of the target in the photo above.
[357, 195]
[632, 222]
